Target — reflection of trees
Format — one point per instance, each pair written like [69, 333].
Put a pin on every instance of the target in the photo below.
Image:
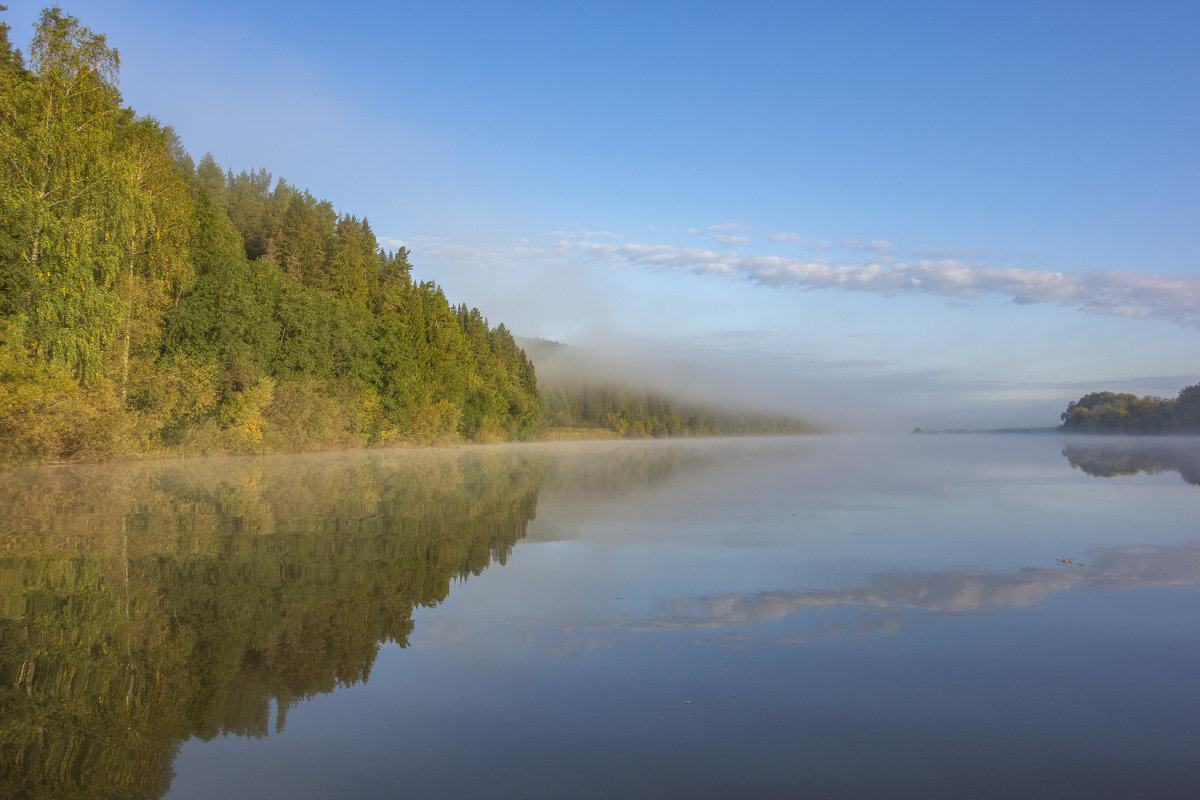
[599, 471]
[142, 604]
[1109, 460]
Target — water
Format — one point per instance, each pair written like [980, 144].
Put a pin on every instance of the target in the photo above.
[913, 616]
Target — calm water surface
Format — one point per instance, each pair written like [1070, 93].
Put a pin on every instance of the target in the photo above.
[914, 616]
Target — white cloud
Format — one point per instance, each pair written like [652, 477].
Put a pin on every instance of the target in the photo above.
[583, 235]
[725, 227]
[951, 252]
[388, 243]
[877, 246]
[786, 237]
[732, 241]
[1122, 294]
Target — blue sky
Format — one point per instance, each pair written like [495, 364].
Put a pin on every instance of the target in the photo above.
[902, 213]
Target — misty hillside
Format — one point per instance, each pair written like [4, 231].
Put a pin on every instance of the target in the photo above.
[581, 392]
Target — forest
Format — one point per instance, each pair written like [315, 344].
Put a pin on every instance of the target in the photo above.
[152, 305]
[1110, 412]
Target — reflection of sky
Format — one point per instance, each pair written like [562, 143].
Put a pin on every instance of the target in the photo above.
[1111, 569]
[752, 534]
[879, 606]
[911, 617]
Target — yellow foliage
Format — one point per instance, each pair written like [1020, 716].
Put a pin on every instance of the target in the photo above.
[434, 423]
[490, 431]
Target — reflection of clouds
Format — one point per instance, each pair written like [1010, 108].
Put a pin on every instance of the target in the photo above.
[1146, 567]
[877, 608]
[953, 591]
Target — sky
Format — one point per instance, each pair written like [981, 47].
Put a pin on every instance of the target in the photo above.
[872, 214]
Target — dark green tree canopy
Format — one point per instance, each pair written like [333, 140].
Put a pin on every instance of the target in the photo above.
[1110, 412]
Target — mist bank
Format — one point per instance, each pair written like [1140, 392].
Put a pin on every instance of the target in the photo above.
[584, 393]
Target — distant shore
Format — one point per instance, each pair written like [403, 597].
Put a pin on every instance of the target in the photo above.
[1060, 430]
[988, 430]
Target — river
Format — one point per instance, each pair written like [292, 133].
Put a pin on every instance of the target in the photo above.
[825, 616]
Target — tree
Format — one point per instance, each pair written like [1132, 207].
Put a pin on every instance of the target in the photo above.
[353, 263]
[1108, 412]
[57, 127]
[150, 213]
[210, 179]
[10, 59]
[1187, 408]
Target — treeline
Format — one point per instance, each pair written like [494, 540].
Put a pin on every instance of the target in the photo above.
[151, 305]
[1109, 412]
[576, 397]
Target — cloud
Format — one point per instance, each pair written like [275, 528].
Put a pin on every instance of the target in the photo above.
[786, 237]
[950, 252]
[520, 252]
[725, 227]
[1120, 294]
[877, 246]
[732, 241]
[584, 235]
[389, 243]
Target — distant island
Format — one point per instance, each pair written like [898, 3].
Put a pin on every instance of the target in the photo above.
[984, 430]
[1110, 412]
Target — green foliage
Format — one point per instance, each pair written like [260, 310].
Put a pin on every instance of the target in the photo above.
[58, 126]
[151, 305]
[1108, 412]
[155, 306]
[308, 414]
[1187, 409]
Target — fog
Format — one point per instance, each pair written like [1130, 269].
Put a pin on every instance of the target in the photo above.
[849, 395]
[846, 361]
